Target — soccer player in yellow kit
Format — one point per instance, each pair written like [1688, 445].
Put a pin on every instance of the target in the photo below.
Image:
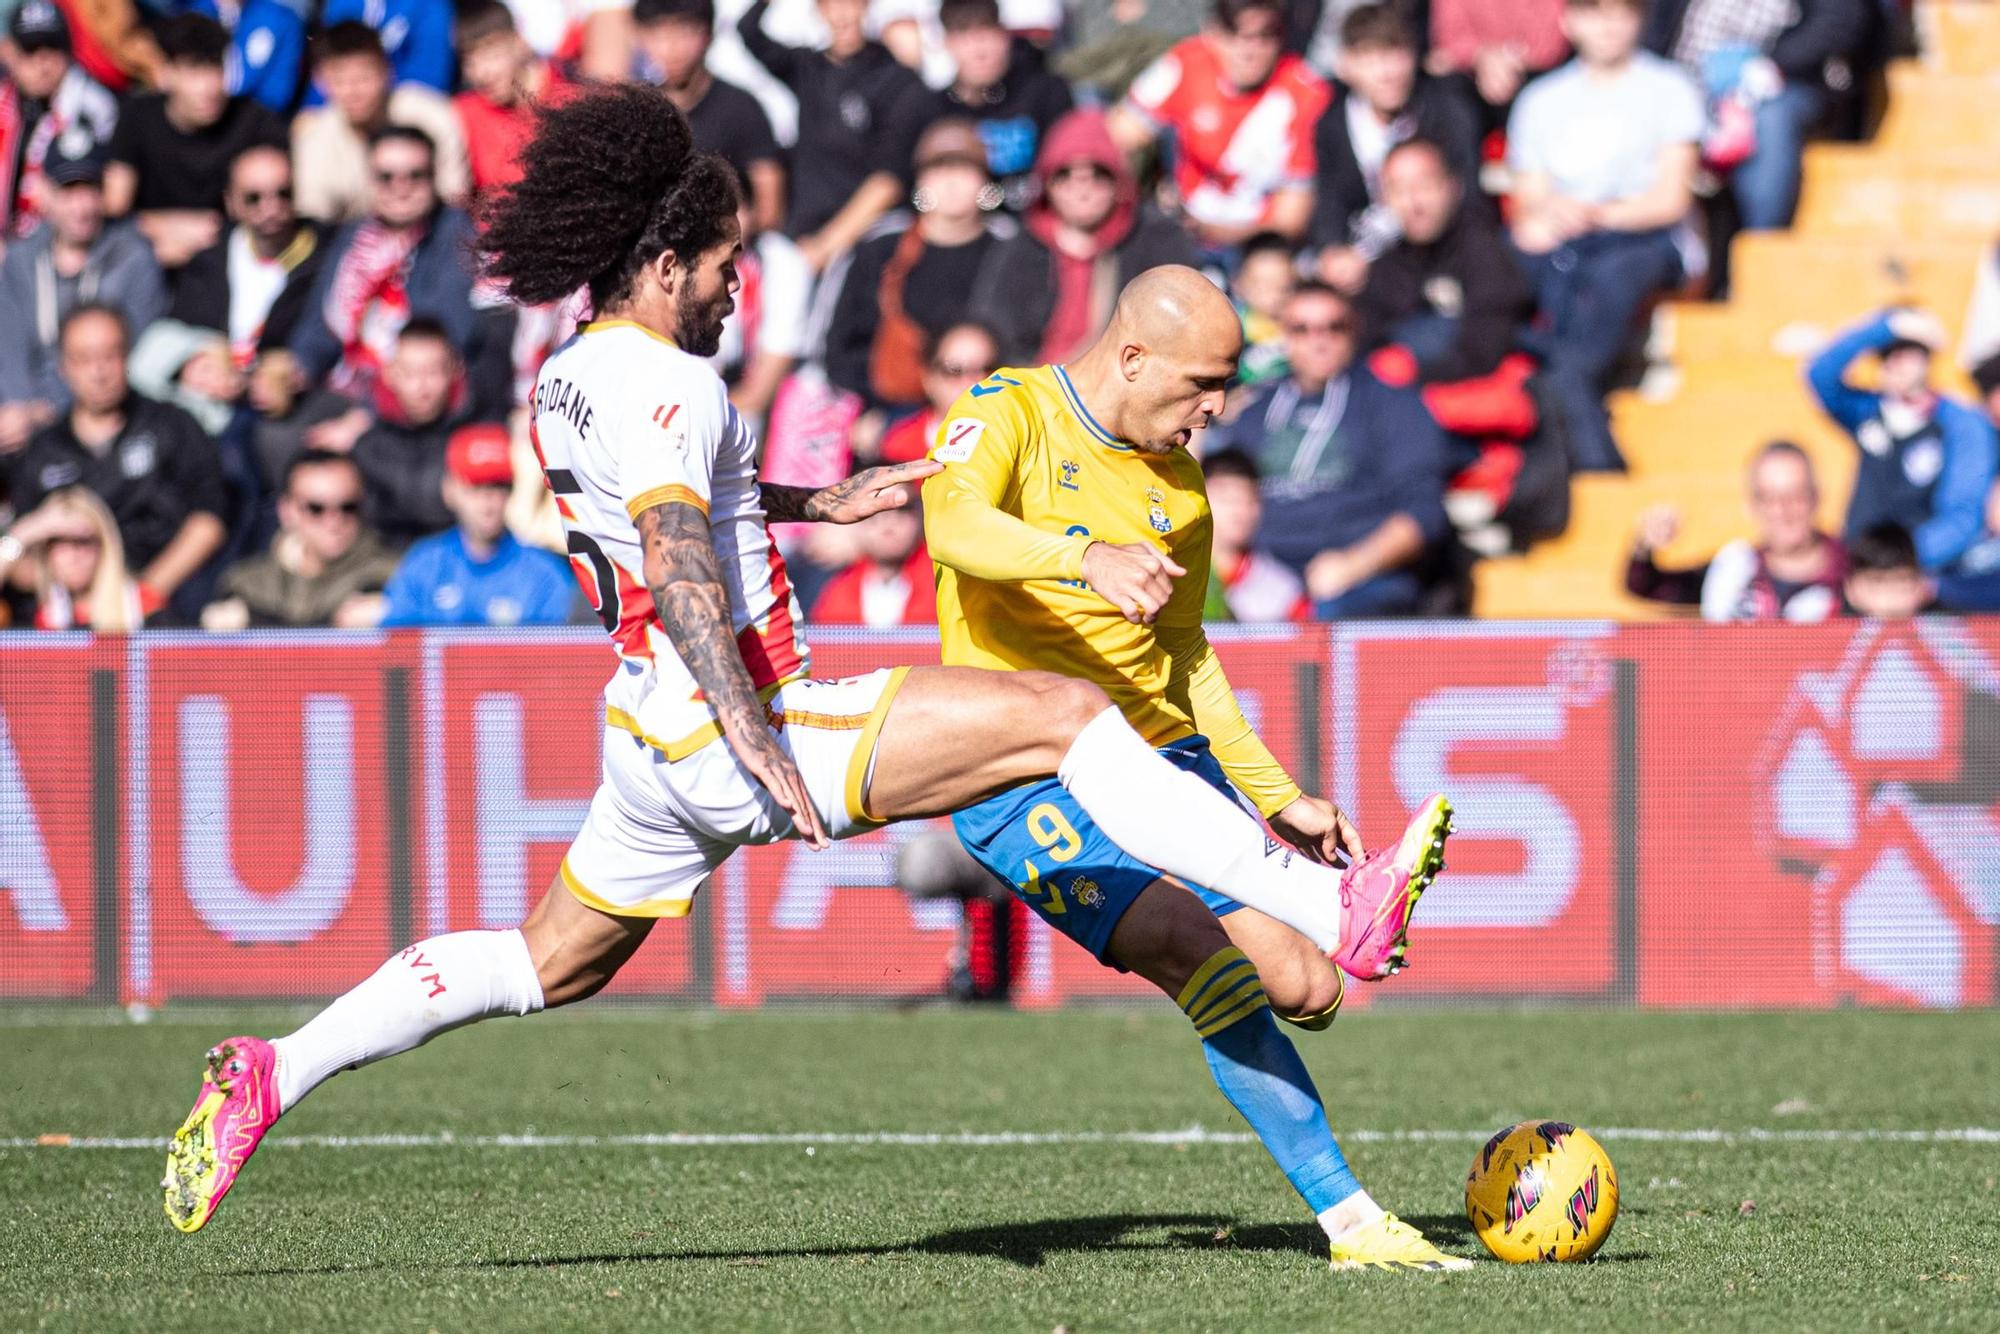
[1071, 534]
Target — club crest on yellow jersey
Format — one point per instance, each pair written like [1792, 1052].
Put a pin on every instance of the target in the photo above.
[1157, 514]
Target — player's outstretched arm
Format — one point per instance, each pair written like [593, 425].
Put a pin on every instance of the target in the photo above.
[686, 584]
[847, 501]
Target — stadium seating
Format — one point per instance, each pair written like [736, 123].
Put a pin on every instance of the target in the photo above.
[1900, 219]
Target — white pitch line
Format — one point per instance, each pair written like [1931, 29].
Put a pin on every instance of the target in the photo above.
[1012, 1138]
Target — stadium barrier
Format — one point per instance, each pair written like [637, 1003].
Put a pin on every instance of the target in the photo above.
[1672, 815]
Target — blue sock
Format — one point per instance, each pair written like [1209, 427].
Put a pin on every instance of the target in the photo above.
[1259, 1071]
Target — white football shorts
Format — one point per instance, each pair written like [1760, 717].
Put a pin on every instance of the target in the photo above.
[658, 827]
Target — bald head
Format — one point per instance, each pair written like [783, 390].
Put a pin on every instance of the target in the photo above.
[1157, 373]
[1173, 305]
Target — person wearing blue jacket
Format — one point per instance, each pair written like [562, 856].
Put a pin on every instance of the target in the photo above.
[1973, 583]
[267, 45]
[1353, 470]
[416, 34]
[407, 258]
[1926, 460]
[478, 573]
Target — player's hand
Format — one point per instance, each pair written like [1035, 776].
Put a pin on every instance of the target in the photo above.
[1316, 827]
[1133, 577]
[869, 492]
[757, 749]
[1919, 326]
[1658, 526]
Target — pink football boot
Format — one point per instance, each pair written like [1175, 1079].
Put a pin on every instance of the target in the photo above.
[1380, 893]
[238, 1104]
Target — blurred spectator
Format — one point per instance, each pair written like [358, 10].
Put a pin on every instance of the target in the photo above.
[914, 30]
[148, 462]
[267, 48]
[1884, 581]
[252, 284]
[766, 335]
[956, 360]
[1926, 460]
[860, 112]
[478, 573]
[75, 566]
[1496, 46]
[890, 583]
[1767, 66]
[1603, 154]
[416, 36]
[1245, 584]
[45, 96]
[330, 143]
[1383, 101]
[1240, 112]
[1449, 291]
[1353, 470]
[1789, 571]
[505, 81]
[1973, 584]
[73, 259]
[726, 120]
[323, 567]
[909, 285]
[1263, 282]
[407, 258]
[1001, 83]
[171, 152]
[1048, 291]
[190, 368]
[402, 455]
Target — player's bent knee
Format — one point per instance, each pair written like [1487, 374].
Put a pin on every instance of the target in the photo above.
[1304, 996]
[1300, 986]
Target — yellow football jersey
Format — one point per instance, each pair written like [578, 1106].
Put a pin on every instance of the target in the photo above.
[1030, 481]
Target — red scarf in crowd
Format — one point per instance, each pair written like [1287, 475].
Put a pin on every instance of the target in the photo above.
[368, 304]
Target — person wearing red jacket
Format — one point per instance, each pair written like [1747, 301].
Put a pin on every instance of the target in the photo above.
[504, 82]
[891, 583]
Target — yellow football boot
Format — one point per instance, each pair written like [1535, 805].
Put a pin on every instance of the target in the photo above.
[1390, 1243]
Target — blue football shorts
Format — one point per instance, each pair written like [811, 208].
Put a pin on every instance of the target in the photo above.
[1037, 839]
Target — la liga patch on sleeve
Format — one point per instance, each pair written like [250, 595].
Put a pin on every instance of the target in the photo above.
[957, 438]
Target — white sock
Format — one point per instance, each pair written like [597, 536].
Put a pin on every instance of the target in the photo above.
[1169, 818]
[430, 988]
[1356, 1211]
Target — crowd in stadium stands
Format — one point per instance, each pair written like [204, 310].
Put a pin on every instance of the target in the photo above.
[249, 376]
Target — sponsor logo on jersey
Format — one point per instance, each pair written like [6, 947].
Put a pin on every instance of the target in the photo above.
[959, 436]
[1069, 471]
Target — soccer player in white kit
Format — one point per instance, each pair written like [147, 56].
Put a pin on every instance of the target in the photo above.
[715, 734]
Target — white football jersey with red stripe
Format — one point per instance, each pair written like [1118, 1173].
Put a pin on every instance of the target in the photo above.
[623, 420]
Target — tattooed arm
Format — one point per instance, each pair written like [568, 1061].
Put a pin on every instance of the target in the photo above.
[686, 583]
[850, 501]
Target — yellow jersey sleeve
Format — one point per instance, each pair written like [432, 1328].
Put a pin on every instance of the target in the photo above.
[1202, 688]
[980, 443]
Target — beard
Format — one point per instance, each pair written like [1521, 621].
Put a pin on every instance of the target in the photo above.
[698, 321]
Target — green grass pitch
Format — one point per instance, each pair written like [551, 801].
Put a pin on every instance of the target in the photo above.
[1790, 1232]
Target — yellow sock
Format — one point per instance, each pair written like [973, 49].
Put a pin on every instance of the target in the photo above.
[1223, 991]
